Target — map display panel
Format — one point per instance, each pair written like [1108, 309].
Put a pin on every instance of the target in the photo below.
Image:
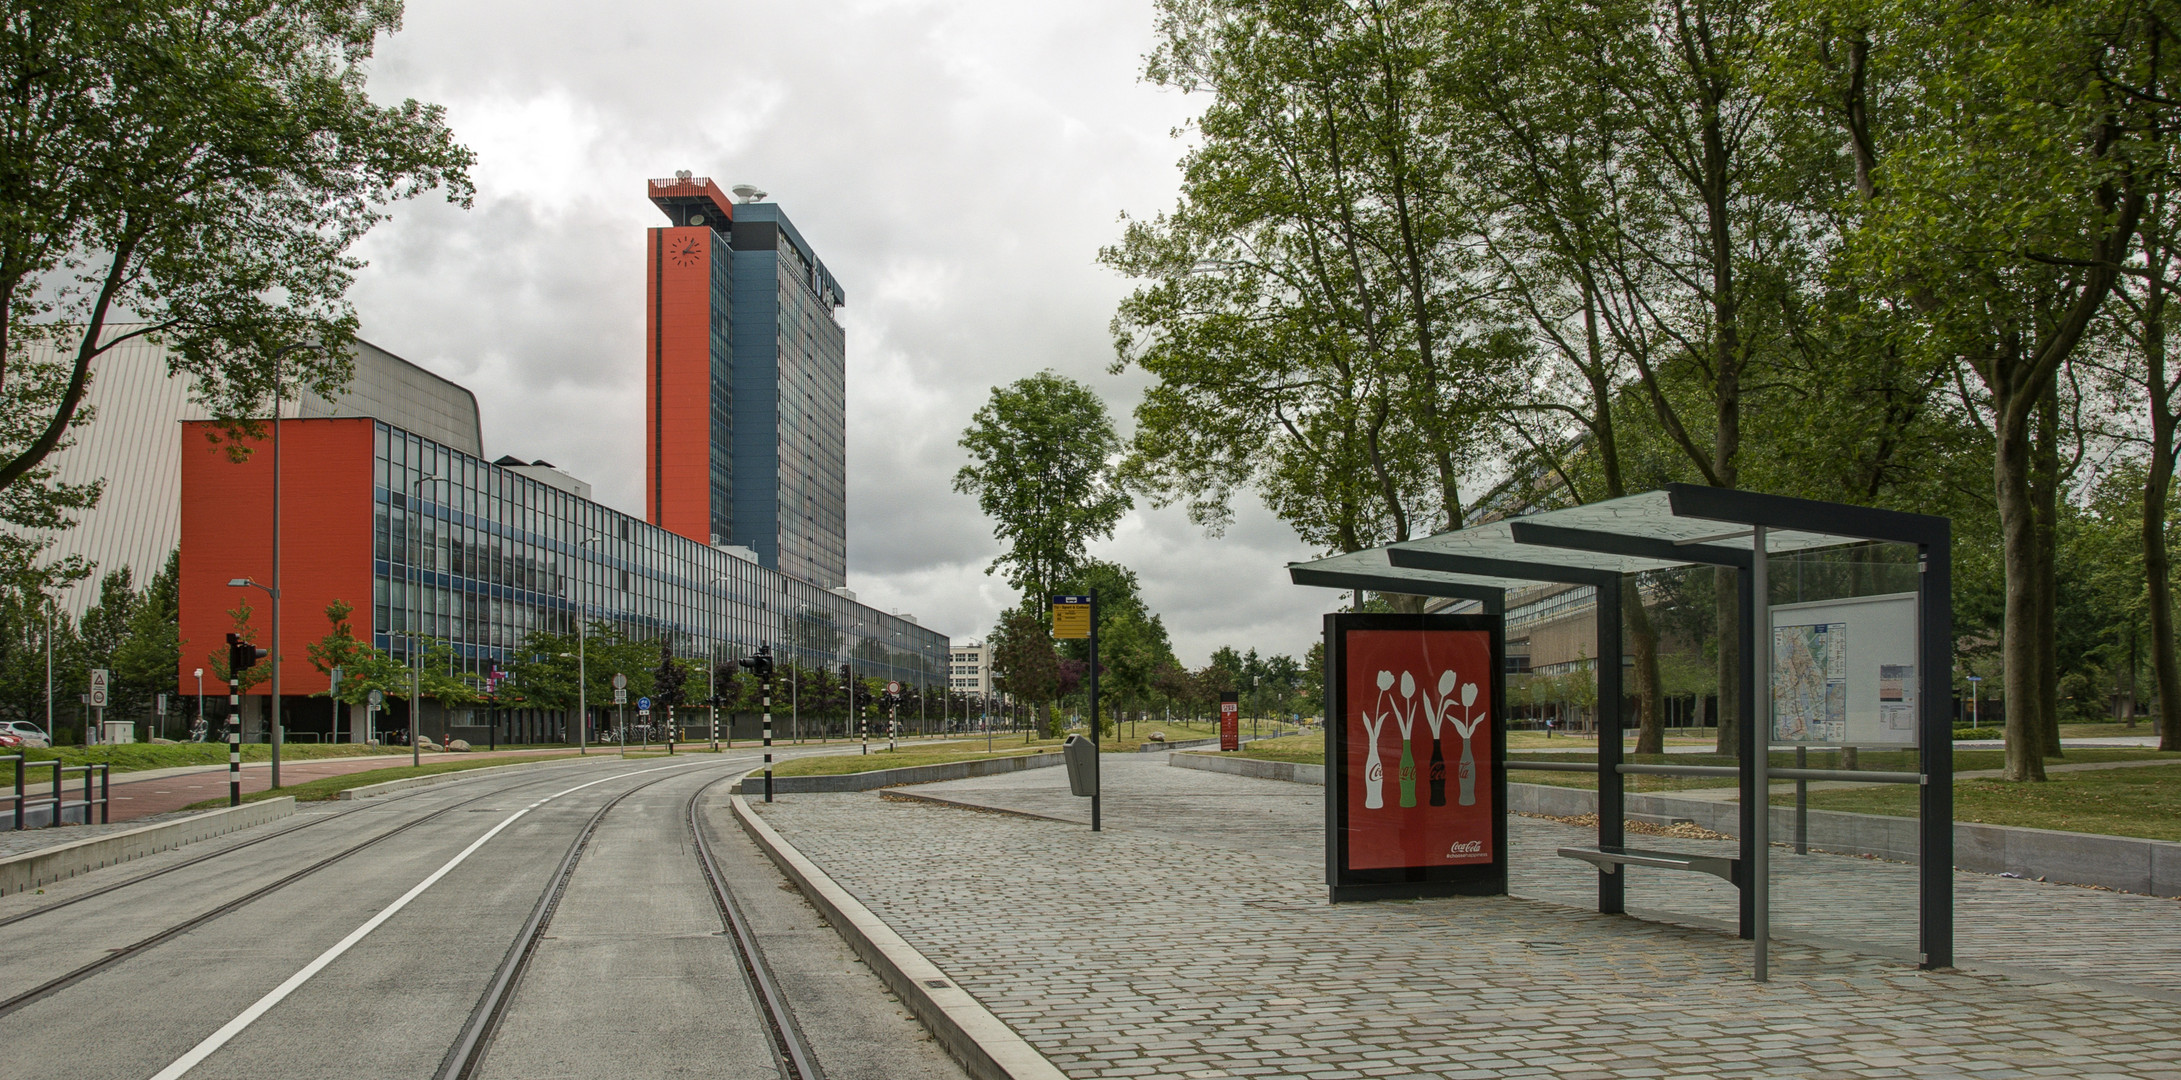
[1844, 672]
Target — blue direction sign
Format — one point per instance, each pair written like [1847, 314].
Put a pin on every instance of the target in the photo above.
[644, 704]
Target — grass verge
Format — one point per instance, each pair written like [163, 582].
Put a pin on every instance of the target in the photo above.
[332, 786]
[905, 758]
[2141, 802]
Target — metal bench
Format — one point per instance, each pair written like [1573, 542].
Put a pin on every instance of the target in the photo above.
[1609, 860]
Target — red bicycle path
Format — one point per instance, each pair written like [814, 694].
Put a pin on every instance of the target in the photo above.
[134, 799]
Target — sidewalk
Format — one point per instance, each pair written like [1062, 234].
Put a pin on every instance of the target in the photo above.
[1193, 939]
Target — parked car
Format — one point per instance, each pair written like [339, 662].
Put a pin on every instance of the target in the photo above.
[32, 736]
[10, 741]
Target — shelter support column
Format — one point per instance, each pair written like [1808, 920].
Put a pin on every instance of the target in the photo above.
[1612, 797]
[1935, 753]
[1745, 717]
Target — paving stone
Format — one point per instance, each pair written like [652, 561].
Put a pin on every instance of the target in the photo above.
[1193, 938]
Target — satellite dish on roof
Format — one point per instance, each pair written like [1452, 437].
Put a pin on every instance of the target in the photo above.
[748, 192]
[682, 175]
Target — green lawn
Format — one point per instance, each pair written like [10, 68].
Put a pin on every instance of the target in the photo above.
[904, 758]
[332, 786]
[2144, 802]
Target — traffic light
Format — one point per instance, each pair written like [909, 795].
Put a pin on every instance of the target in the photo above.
[758, 663]
[241, 655]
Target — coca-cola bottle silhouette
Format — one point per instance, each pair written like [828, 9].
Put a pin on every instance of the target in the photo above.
[1469, 776]
[1438, 773]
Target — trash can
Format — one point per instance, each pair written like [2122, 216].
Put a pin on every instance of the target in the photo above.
[1081, 757]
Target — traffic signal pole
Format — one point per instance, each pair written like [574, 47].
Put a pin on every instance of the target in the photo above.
[768, 733]
[234, 746]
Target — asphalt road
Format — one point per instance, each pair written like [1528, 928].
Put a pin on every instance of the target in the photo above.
[369, 966]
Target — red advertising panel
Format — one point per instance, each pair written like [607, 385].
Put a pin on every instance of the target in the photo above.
[1417, 800]
[1230, 722]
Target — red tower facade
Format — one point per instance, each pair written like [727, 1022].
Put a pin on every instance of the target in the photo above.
[689, 349]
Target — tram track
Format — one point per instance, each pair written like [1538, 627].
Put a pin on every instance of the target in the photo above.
[116, 956]
[791, 1052]
[230, 849]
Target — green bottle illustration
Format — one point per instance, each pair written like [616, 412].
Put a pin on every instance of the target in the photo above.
[1408, 756]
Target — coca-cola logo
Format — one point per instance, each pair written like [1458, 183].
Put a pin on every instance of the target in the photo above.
[1465, 847]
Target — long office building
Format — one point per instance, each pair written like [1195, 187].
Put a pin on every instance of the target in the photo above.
[431, 543]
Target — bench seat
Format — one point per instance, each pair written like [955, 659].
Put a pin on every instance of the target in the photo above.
[1609, 860]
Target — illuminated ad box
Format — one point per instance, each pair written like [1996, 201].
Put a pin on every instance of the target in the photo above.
[1415, 754]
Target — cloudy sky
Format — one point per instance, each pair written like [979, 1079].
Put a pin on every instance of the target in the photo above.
[956, 164]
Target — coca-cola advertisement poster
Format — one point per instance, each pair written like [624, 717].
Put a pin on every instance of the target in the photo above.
[1417, 798]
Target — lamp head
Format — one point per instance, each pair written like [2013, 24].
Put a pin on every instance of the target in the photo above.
[238, 583]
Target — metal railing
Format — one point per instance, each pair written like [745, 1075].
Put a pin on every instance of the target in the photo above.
[56, 798]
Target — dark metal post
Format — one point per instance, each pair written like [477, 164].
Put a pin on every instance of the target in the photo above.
[1802, 803]
[1612, 799]
[1097, 781]
[1745, 719]
[234, 745]
[768, 735]
[105, 795]
[19, 780]
[56, 797]
[1935, 754]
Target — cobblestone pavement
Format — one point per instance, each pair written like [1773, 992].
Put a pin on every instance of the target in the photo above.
[1193, 939]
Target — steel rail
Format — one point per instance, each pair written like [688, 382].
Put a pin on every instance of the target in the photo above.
[791, 1052]
[62, 982]
[470, 1047]
[228, 850]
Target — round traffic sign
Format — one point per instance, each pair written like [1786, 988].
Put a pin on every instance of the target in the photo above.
[643, 704]
[893, 687]
[378, 698]
[620, 682]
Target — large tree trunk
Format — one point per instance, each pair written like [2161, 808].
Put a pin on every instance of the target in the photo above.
[2157, 568]
[2011, 468]
[2045, 492]
[1643, 642]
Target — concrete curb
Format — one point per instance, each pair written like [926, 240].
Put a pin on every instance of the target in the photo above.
[2126, 863]
[407, 782]
[32, 869]
[957, 804]
[916, 774]
[985, 1045]
[1289, 771]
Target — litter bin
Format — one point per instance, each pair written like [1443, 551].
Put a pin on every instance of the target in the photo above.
[1081, 757]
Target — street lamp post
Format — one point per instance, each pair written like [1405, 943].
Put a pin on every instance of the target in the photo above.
[583, 671]
[1973, 688]
[200, 696]
[416, 613]
[278, 395]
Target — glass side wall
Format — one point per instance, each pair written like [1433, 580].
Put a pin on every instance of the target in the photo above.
[494, 556]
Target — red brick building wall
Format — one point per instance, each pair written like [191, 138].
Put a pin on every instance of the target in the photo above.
[678, 379]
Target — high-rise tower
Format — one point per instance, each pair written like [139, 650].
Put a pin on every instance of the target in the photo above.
[747, 383]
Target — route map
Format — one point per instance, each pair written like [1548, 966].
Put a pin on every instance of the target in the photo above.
[1810, 683]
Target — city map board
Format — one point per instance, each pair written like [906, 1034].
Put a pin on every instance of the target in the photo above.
[1844, 672]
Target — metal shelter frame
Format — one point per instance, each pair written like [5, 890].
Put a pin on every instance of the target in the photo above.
[1598, 544]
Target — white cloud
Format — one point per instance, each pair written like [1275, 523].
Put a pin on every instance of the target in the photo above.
[956, 164]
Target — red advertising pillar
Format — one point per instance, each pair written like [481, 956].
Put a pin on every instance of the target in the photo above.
[1230, 721]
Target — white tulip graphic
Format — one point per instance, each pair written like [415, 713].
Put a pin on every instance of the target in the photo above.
[1374, 771]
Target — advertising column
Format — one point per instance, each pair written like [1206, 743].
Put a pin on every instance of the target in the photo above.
[1230, 721]
[1415, 756]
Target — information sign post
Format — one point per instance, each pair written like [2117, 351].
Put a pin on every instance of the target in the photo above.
[1404, 689]
[1230, 721]
[1076, 618]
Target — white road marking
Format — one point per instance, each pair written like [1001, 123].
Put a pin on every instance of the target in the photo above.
[182, 1065]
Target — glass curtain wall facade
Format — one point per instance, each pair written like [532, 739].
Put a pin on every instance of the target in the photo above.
[492, 556]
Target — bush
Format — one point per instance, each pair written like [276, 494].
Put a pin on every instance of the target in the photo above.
[1974, 734]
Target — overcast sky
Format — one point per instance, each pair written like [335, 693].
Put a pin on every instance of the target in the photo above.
[956, 164]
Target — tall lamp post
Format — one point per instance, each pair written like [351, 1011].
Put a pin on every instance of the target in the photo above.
[200, 695]
[416, 613]
[583, 670]
[279, 388]
[1973, 681]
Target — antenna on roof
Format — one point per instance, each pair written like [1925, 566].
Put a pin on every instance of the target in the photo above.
[748, 193]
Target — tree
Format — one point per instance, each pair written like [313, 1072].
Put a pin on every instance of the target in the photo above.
[201, 169]
[148, 661]
[1042, 456]
[1023, 661]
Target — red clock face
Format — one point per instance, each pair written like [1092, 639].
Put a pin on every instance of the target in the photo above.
[685, 251]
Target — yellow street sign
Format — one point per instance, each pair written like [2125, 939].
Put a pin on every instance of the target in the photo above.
[1071, 617]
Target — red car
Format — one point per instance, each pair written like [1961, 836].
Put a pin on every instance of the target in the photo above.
[10, 741]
